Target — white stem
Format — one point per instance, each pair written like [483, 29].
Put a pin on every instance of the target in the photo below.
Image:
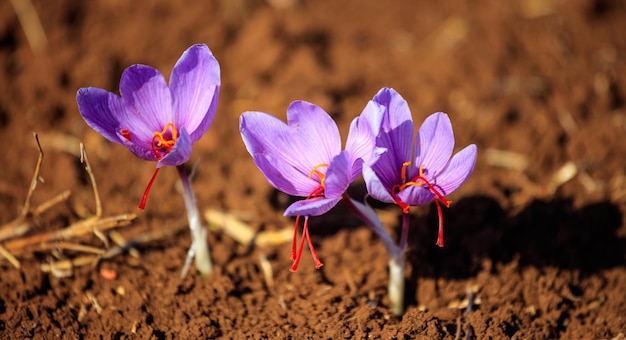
[199, 246]
[396, 284]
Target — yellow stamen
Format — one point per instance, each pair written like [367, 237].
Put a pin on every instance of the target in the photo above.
[403, 173]
[160, 144]
[411, 183]
[159, 135]
[319, 174]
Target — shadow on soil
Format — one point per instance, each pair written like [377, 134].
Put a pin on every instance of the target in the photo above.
[545, 233]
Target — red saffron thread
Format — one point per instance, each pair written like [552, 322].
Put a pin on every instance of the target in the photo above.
[126, 134]
[296, 252]
[144, 199]
[420, 180]
[160, 147]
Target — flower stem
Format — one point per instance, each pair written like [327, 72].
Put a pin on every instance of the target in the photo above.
[395, 252]
[396, 284]
[404, 237]
[397, 264]
[199, 246]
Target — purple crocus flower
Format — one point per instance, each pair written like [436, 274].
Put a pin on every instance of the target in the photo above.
[157, 122]
[415, 171]
[304, 158]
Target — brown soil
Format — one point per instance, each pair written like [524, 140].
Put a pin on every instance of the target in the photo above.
[542, 78]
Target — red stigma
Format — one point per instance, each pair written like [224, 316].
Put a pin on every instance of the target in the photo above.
[144, 198]
[296, 251]
[126, 134]
[297, 255]
[161, 146]
[420, 180]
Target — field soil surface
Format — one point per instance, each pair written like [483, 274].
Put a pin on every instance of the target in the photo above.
[535, 240]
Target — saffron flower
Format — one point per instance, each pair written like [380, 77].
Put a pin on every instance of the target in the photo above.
[416, 171]
[157, 122]
[304, 158]
[410, 172]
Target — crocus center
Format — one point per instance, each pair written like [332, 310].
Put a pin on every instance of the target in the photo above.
[164, 141]
[296, 252]
[420, 181]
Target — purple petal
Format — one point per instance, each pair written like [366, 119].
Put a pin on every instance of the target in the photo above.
[338, 176]
[260, 131]
[274, 146]
[284, 177]
[397, 109]
[194, 84]
[311, 207]
[396, 136]
[458, 170]
[357, 165]
[181, 151]
[140, 151]
[416, 195]
[291, 152]
[361, 142]
[148, 103]
[434, 144]
[375, 187]
[317, 136]
[101, 109]
[388, 166]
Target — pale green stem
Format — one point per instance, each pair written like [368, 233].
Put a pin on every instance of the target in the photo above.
[397, 264]
[199, 246]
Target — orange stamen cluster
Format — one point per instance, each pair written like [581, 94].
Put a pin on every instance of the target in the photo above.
[416, 181]
[296, 252]
[161, 145]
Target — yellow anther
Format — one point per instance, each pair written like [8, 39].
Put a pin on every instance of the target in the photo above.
[403, 173]
[319, 174]
[159, 135]
[163, 145]
[411, 183]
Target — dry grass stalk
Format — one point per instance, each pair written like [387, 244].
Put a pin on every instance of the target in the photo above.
[33, 30]
[506, 159]
[231, 225]
[58, 239]
[147, 237]
[77, 229]
[64, 245]
[266, 269]
[120, 241]
[5, 253]
[244, 233]
[64, 268]
[19, 225]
